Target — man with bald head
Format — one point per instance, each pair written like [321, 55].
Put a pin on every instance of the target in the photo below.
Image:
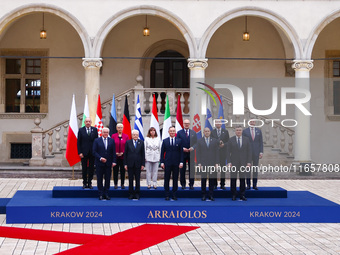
[86, 136]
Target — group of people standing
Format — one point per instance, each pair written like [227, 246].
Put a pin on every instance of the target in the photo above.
[178, 154]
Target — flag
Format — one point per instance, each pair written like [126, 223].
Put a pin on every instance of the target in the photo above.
[179, 118]
[126, 119]
[154, 116]
[220, 113]
[113, 117]
[99, 118]
[167, 120]
[196, 125]
[208, 120]
[86, 113]
[138, 120]
[72, 137]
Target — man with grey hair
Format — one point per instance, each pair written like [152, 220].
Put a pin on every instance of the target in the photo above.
[134, 162]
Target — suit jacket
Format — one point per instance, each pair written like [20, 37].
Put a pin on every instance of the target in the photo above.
[99, 151]
[134, 157]
[172, 155]
[239, 156]
[257, 144]
[85, 141]
[207, 156]
[224, 137]
[187, 142]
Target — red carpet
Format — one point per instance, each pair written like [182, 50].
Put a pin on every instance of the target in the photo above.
[131, 240]
[47, 235]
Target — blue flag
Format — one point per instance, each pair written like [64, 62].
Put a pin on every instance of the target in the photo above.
[113, 117]
[138, 120]
[220, 113]
[208, 120]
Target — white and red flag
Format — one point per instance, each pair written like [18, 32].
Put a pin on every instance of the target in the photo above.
[179, 117]
[154, 116]
[99, 118]
[71, 147]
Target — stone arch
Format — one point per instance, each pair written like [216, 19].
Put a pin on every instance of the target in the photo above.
[140, 10]
[314, 34]
[154, 50]
[282, 26]
[30, 8]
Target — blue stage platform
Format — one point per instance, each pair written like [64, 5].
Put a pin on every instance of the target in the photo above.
[3, 203]
[41, 207]
[78, 192]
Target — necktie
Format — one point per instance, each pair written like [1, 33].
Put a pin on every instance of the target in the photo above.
[88, 131]
[105, 143]
[172, 142]
[186, 133]
[252, 134]
[238, 142]
[207, 141]
[135, 143]
[219, 132]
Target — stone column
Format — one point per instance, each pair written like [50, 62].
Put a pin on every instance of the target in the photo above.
[37, 145]
[92, 83]
[197, 98]
[302, 130]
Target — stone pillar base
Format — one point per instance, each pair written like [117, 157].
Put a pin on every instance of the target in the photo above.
[36, 162]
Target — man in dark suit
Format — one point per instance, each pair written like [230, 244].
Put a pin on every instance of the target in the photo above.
[86, 136]
[134, 162]
[171, 161]
[222, 135]
[254, 135]
[238, 157]
[189, 140]
[207, 158]
[104, 150]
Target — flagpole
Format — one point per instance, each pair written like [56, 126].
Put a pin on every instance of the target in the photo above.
[73, 178]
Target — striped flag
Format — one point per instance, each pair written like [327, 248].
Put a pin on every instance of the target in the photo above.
[208, 120]
[99, 118]
[86, 113]
[113, 117]
[154, 116]
[126, 119]
[179, 117]
[196, 124]
[167, 120]
[220, 113]
[71, 155]
[138, 120]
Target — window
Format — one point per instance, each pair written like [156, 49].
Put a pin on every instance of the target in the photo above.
[332, 85]
[25, 82]
[21, 150]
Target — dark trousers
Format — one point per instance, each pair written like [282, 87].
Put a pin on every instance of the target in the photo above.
[103, 172]
[183, 172]
[174, 170]
[255, 173]
[233, 178]
[119, 168]
[204, 185]
[134, 174]
[87, 166]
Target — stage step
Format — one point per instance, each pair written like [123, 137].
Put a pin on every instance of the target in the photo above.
[75, 191]
[299, 206]
[3, 203]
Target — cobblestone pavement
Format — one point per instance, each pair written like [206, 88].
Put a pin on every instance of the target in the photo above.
[245, 238]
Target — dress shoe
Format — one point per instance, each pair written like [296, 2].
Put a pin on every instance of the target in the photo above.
[255, 188]
[183, 186]
[116, 187]
[212, 198]
[137, 196]
[131, 197]
[149, 186]
[204, 198]
[234, 198]
[215, 187]
[90, 186]
[222, 187]
[167, 198]
[101, 198]
[107, 197]
[155, 187]
[248, 188]
[174, 198]
[123, 187]
[84, 186]
[243, 198]
[191, 187]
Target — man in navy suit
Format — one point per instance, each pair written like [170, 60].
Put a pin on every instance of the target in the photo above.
[238, 156]
[222, 135]
[207, 158]
[171, 161]
[254, 135]
[86, 136]
[134, 162]
[104, 150]
[189, 140]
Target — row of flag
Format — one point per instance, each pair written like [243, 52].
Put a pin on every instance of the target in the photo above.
[71, 147]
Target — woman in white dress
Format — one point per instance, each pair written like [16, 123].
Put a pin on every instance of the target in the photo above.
[152, 145]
